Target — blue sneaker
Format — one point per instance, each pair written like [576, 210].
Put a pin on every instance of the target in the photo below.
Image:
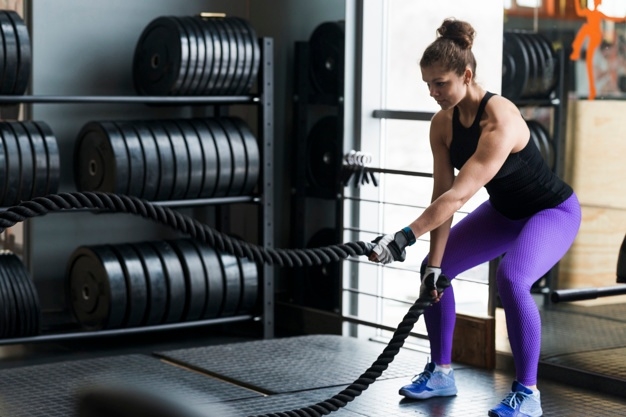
[520, 402]
[430, 383]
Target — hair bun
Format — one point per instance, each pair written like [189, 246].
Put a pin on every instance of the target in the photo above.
[458, 31]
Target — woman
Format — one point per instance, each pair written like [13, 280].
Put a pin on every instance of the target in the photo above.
[531, 216]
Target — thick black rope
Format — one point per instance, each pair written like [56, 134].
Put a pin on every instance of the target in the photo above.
[108, 202]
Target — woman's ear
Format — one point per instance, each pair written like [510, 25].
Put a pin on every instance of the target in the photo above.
[468, 76]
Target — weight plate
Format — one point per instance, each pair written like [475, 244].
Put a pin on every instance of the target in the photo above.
[238, 54]
[166, 160]
[136, 162]
[156, 283]
[175, 281]
[244, 54]
[189, 44]
[214, 52]
[514, 50]
[40, 156]
[24, 309]
[9, 328]
[20, 319]
[137, 288]
[214, 279]
[205, 54]
[546, 143]
[231, 58]
[101, 159]
[532, 85]
[27, 162]
[256, 56]
[224, 158]
[4, 167]
[31, 297]
[13, 165]
[152, 166]
[221, 62]
[195, 278]
[209, 152]
[97, 288]
[549, 65]
[539, 69]
[2, 59]
[199, 74]
[11, 55]
[196, 55]
[181, 160]
[323, 159]
[23, 52]
[253, 157]
[250, 277]
[52, 153]
[232, 284]
[326, 46]
[196, 159]
[238, 152]
[160, 58]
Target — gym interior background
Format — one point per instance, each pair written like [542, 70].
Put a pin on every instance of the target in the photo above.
[340, 117]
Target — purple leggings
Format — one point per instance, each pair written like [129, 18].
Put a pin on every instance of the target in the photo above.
[532, 246]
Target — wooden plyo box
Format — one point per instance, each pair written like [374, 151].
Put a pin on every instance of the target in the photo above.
[474, 341]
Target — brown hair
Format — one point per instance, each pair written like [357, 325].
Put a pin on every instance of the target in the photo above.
[453, 47]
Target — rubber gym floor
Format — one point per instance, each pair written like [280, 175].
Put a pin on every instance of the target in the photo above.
[582, 372]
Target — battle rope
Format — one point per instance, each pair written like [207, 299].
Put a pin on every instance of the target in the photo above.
[108, 202]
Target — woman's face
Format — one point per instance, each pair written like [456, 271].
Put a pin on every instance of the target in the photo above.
[446, 87]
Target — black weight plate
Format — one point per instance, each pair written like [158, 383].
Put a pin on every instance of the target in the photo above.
[539, 68]
[11, 56]
[250, 278]
[52, 152]
[32, 298]
[221, 63]
[238, 53]
[244, 55]
[534, 135]
[323, 149]
[214, 279]
[40, 156]
[546, 144]
[232, 284]
[214, 52]
[96, 288]
[224, 158]
[253, 157]
[209, 152]
[199, 78]
[166, 160]
[181, 160]
[4, 170]
[189, 44]
[156, 282]
[2, 60]
[136, 285]
[515, 51]
[196, 159]
[152, 165]
[27, 162]
[254, 55]
[196, 55]
[23, 51]
[136, 162]
[9, 328]
[177, 291]
[549, 65]
[227, 36]
[13, 165]
[20, 319]
[101, 159]
[238, 152]
[326, 46]
[195, 278]
[205, 54]
[540, 137]
[160, 58]
[532, 85]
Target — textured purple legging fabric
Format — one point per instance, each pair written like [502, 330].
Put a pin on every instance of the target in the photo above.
[530, 247]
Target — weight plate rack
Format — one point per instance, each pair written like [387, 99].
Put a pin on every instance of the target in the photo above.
[20, 312]
[529, 66]
[15, 54]
[29, 161]
[149, 283]
[168, 159]
[192, 55]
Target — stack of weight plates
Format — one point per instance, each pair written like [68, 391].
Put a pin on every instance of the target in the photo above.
[540, 135]
[157, 282]
[15, 54]
[29, 161]
[196, 56]
[168, 159]
[19, 304]
[529, 66]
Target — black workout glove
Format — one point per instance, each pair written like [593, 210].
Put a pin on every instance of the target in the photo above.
[391, 248]
[433, 282]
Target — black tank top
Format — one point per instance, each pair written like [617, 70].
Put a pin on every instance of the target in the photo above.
[524, 184]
